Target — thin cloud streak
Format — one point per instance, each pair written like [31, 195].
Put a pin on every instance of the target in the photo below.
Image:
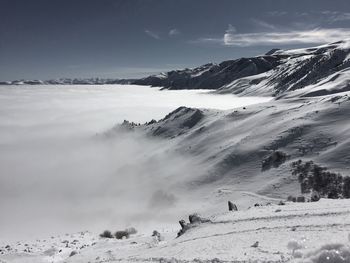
[152, 34]
[174, 32]
[316, 36]
[334, 16]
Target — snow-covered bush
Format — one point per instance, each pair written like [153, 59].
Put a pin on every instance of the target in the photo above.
[106, 234]
[121, 234]
[157, 236]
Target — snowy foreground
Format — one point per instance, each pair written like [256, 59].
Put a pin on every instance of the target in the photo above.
[297, 232]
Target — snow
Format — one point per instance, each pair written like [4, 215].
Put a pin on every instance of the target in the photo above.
[300, 232]
[337, 82]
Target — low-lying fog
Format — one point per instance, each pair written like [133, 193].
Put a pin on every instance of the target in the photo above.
[56, 176]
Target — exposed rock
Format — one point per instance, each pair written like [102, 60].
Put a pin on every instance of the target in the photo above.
[315, 196]
[232, 206]
[194, 219]
[256, 244]
[73, 253]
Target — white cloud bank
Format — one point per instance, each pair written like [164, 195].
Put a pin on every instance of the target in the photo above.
[315, 36]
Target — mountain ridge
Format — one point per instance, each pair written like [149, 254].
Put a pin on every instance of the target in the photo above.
[276, 73]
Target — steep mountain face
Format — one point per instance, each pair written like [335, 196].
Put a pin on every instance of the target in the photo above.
[275, 73]
[211, 76]
[299, 69]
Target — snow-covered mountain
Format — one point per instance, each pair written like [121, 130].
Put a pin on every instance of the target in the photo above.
[233, 144]
[211, 76]
[276, 72]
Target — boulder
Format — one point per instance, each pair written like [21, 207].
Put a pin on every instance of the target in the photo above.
[315, 196]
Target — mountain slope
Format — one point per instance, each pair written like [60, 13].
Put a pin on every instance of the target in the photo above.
[232, 145]
[275, 73]
[211, 76]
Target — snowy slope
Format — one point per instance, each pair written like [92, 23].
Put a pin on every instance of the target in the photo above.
[232, 144]
[297, 232]
[298, 69]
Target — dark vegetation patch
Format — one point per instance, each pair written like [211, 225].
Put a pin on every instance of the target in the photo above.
[313, 177]
[119, 234]
[274, 160]
[106, 234]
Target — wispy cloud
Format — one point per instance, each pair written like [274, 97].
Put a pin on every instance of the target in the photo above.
[324, 16]
[174, 32]
[315, 36]
[231, 30]
[334, 16]
[277, 13]
[152, 34]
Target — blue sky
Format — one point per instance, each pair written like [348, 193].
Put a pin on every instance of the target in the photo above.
[42, 39]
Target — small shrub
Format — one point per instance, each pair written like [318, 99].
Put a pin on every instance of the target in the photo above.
[290, 198]
[106, 234]
[121, 234]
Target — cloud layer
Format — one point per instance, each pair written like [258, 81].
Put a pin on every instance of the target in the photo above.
[315, 36]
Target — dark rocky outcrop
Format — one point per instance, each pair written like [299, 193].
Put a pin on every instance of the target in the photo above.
[232, 206]
[194, 220]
